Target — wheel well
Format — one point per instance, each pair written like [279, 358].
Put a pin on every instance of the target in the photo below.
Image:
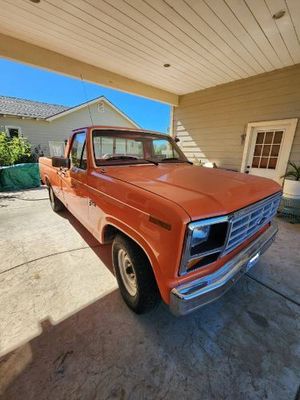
[110, 232]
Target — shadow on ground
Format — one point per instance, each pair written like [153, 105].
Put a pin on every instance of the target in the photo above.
[244, 346]
[103, 252]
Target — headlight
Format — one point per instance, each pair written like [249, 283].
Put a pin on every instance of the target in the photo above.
[204, 242]
[199, 235]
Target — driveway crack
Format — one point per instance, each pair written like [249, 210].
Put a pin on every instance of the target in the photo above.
[273, 290]
[48, 256]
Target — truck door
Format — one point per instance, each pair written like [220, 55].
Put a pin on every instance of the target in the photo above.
[74, 180]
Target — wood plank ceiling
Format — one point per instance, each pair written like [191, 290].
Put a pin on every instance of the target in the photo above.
[206, 42]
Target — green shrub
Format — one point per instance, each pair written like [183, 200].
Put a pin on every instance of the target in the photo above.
[15, 150]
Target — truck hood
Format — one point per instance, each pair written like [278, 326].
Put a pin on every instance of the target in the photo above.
[201, 192]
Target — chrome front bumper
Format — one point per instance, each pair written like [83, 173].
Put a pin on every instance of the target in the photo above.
[190, 296]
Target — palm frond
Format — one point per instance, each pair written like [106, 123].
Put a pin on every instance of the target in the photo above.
[290, 173]
[294, 172]
[294, 165]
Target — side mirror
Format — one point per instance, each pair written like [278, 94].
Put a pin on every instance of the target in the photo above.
[176, 138]
[61, 162]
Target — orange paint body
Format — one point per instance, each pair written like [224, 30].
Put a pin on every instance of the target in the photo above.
[126, 196]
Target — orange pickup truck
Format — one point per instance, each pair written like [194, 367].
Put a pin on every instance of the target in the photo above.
[179, 232]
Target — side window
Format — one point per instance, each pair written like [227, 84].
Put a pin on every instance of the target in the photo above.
[13, 131]
[78, 151]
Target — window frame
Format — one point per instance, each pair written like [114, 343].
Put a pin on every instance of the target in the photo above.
[7, 127]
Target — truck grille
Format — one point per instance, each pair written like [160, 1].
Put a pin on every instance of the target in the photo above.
[245, 223]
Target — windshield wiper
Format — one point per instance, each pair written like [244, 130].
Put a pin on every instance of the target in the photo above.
[176, 159]
[121, 158]
[150, 161]
[124, 157]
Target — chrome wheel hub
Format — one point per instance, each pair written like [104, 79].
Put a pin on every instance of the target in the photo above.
[127, 272]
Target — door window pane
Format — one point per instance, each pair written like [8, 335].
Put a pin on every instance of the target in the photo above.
[263, 162]
[278, 137]
[255, 162]
[272, 163]
[267, 149]
[83, 163]
[269, 137]
[260, 138]
[275, 150]
[78, 154]
[257, 150]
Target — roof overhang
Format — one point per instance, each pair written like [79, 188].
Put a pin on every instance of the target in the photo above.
[159, 49]
[27, 53]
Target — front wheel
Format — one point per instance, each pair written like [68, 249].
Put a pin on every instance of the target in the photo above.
[134, 275]
[56, 204]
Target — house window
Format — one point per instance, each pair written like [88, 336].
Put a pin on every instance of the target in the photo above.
[57, 148]
[13, 131]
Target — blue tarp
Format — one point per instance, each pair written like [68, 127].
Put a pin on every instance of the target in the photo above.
[20, 176]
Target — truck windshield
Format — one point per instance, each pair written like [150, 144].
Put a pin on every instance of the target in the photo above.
[125, 147]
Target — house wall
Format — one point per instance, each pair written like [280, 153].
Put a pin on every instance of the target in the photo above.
[40, 132]
[210, 122]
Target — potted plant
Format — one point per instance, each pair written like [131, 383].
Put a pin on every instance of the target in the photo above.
[291, 186]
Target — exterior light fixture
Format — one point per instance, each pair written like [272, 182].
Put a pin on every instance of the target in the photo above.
[167, 65]
[35, 1]
[279, 14]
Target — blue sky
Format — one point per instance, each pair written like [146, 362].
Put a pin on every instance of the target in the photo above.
[27, 82]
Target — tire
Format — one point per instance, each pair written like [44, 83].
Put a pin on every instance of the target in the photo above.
[56, 204]
[134, 275]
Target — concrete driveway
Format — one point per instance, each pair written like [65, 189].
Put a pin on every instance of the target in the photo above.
[65, 333]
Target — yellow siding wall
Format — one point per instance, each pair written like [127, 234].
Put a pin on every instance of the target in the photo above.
[210, 122]
[40, 132]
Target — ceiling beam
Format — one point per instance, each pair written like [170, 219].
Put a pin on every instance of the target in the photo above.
[19, 50]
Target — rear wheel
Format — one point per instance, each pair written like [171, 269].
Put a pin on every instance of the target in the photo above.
[134, 275]
[56, 204]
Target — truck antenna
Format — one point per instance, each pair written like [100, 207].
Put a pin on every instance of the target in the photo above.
[86, 96]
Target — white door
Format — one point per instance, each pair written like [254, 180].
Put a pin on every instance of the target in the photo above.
[267, 148]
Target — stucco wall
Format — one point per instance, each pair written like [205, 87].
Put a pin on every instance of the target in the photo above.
[210, 122]
[40, 132]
